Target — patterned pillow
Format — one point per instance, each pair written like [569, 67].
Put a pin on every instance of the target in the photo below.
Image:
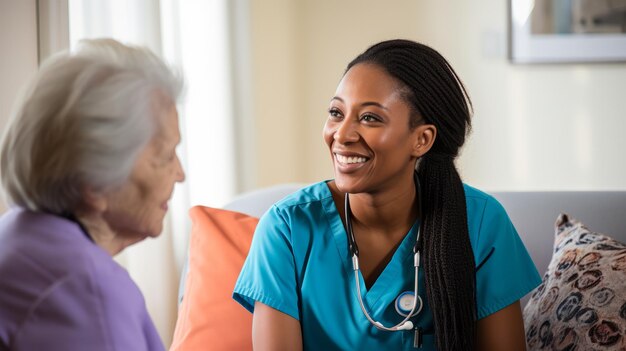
[581, 303]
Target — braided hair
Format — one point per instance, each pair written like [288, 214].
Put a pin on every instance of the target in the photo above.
[436, 95]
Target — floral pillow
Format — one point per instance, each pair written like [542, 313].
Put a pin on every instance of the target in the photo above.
[581, 303]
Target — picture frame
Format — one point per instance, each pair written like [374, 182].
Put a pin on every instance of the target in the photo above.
[567, 31]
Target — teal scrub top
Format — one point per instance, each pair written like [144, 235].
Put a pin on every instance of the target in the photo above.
[299, 264]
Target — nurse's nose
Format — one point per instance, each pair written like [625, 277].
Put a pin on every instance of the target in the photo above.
[347, 131]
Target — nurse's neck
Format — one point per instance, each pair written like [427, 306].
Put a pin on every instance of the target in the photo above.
[380, 211]
[384, 210]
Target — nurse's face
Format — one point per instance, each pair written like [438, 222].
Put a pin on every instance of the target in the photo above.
[368, 134]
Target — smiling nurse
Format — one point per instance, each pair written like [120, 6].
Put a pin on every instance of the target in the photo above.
[372, 260]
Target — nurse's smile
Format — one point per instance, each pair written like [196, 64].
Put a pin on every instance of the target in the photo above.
[349, 162]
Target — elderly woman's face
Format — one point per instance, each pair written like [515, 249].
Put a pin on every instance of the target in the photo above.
[136, 210]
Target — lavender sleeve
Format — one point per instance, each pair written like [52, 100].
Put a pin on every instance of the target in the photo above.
[59, 291]
[78, 313]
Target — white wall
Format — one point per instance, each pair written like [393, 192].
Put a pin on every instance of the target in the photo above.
[536, 127]
[18, 53]
[18, 43]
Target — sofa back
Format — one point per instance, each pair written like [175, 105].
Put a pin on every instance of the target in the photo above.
[534, 215]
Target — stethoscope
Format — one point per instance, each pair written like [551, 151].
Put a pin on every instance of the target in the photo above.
[405, 302]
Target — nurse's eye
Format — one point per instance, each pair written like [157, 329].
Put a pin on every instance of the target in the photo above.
[370, 118]
[334, 113]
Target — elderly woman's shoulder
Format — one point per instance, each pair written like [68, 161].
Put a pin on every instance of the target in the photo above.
[46, 240]
[52, 272]
[45, 255]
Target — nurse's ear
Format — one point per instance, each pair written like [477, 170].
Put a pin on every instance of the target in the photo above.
[423, 139]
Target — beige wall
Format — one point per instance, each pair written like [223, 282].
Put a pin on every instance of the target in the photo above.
[18, 53]
[536, 127]
[276, 75]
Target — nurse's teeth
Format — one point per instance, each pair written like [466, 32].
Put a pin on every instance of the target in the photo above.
[344, 159]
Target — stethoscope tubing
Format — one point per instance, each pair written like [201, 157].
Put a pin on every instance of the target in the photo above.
[405, 324]
[354, 250]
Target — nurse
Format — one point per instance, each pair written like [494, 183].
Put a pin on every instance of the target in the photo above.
[397, 120]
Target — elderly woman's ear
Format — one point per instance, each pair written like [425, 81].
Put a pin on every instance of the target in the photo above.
[93, 201]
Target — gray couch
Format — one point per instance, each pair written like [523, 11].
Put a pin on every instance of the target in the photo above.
[532, 213]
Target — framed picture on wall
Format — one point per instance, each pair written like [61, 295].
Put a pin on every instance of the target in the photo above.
[553, 31]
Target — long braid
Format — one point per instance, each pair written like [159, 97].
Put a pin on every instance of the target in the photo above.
[437, 96]
[448, 256]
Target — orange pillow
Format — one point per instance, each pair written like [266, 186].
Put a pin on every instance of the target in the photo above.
[209, 318]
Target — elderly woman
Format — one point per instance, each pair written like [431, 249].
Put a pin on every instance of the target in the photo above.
[89, 164]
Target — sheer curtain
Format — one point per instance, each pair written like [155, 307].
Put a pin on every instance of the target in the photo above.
[195, 37]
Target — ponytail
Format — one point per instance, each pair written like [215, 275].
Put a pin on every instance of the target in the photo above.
[448, 255]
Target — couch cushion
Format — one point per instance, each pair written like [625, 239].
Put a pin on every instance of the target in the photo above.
[582, 299]
[209, 319]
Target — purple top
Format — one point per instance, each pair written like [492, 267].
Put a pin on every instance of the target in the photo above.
[60, 291]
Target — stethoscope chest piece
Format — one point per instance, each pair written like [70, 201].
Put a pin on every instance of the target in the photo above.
[405, 302]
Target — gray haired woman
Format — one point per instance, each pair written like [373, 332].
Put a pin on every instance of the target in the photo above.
[89, 164]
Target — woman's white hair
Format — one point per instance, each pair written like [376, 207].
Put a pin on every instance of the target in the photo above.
[82, 124]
